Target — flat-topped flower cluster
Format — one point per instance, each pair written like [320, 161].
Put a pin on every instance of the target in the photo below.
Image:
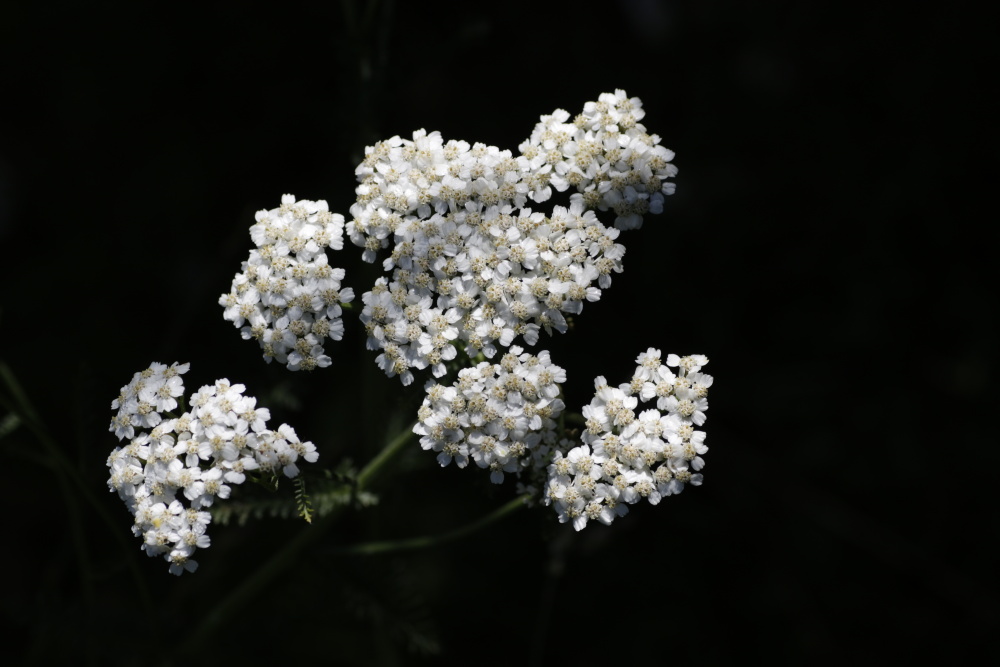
[503, 416]
[472, 280]
[606, 154]
[473, 265]
[628, 456]
[476, 263]
[498, 415]
[192, 458]
[287, 297]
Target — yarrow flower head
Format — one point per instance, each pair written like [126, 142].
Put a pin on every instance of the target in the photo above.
[498, 415]
[288, 298]
[606, 154]
[477, 260]
[629, 455]
[472, 264]
[175, 467]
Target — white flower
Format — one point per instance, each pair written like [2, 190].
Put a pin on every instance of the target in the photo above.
[465, 246]
[194, 457]
[495, 414]
[288, 298]
[627, 457]
[606, 154]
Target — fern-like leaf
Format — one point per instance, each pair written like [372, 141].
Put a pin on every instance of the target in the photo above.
[302, 499]
[325, 495]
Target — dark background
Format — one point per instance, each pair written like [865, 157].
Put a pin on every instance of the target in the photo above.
[826, 249]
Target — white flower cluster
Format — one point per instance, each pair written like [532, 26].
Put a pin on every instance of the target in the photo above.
[606, 154]
[288, 294]
[498, 415]
[627, 456]
[471, 263]
[193, 457]
[484, 278]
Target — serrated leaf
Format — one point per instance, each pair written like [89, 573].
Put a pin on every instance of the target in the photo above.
[302, 500]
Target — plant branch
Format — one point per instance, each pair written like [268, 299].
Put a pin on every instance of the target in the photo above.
[283, 559]
[427, 541]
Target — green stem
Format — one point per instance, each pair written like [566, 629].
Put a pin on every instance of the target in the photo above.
[374, 468]
[371, 548]
[280, 561]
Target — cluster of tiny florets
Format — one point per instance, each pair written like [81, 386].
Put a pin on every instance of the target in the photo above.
[474, 262]
[473, 266]
[473, 282]
[287, 297]
[498, 415]
[194, 457]
[606, 154]
[628, 456]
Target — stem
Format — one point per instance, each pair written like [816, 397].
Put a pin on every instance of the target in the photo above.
[371, 548]
[374, 468]
[284, 558]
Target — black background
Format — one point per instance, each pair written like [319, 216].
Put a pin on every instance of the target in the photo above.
[827, 248]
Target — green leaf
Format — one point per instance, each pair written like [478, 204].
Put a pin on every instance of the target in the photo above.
[302, 499]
